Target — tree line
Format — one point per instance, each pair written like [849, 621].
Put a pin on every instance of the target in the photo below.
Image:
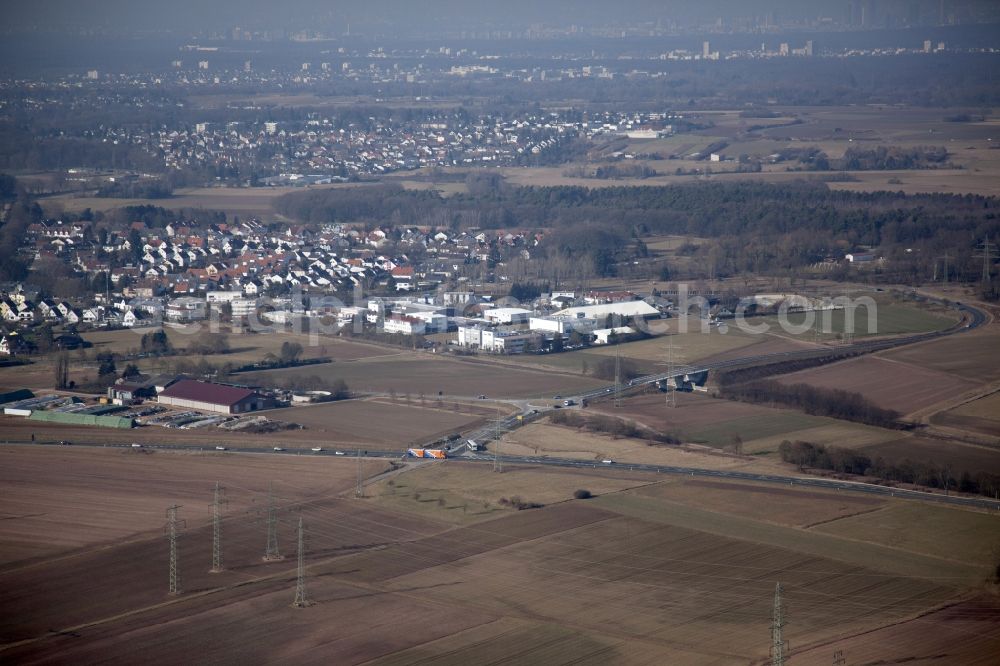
[835, 403]
[845, 460]
[752, 227]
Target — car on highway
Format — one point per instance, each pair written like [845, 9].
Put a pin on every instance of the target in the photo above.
[278, 448]
[339, 453]
[65, 442]
[608, 461]
[317, 449]
[220, 448]
[136, 445]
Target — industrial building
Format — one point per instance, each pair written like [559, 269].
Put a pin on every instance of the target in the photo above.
[209, 397]
[625, 310]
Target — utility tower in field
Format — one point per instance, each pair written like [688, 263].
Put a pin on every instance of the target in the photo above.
[359, 490]
[987, 251]
[497, 460]
[618, 377]
[172, 528]
[671, 361]
[777, 624]
[217, 502]
[272, 552]
[300, 578]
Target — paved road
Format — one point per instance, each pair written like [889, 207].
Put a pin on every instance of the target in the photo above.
[477, 458]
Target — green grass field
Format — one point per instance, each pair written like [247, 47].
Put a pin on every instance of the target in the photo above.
[781, 423]
[888, 319]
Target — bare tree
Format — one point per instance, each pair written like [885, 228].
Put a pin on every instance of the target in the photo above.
[62, 370]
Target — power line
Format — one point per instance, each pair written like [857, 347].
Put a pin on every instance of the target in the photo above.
[172, 527]
[777, 624]
[217, 502]
[300, 578]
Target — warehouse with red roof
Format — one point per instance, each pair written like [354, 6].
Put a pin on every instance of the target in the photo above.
[209, 397]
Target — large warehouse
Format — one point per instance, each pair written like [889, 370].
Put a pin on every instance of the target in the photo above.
[210, 397]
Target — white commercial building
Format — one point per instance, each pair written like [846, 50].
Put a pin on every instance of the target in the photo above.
[562, 325]
[507, 315]
[624, 309]
[603, 335]
[470, 336]
[404, 324]
[186, 309]
[509, 342]
[242, 307]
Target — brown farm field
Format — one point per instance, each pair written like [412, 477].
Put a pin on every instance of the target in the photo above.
[629, 577]
[362, 423]
[61, 499]
[383, 423]
[764, 502]
[711, 421]
[981, 416]
[542, 440]
[971, 356]
[960, 456]
[903, 387]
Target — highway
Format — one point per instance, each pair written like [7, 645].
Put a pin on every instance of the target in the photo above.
[478, 458]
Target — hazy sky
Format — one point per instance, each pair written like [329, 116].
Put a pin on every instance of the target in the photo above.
[390, 16]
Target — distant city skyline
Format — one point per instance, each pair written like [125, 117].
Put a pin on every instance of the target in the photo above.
[452, 17]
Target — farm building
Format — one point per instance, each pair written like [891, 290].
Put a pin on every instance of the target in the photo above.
[209, 397]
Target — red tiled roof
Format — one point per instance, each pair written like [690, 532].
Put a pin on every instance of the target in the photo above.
[217, 394]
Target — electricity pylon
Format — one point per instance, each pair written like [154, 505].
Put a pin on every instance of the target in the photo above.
[777, 624]
[987, 252]
[359, 490]
[618, 377]
[497, 460]
[217, 502]
[172, 528]
[671, 362]
[946, 257]
[272, 552]
[300, 578]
